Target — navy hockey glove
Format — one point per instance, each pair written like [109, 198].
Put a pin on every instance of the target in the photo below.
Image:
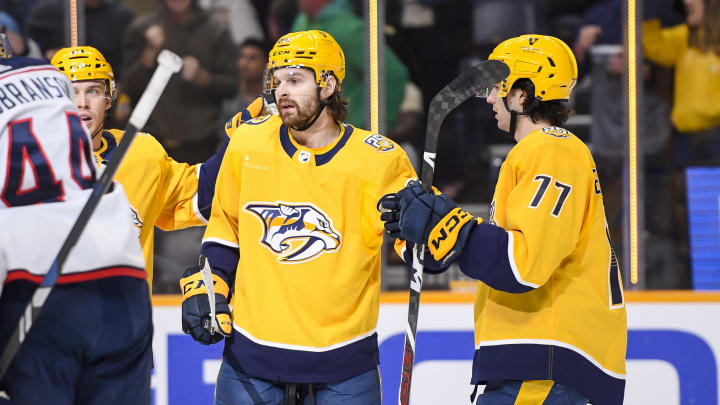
[389, 205]
[434, 220]
[196, 307]
[430, 265]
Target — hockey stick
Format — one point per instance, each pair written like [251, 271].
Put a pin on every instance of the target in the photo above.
[469, 83]
[211, 324]
[168, 63]
[73, 23]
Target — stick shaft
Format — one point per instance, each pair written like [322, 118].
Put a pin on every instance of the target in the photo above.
[169, 64]
[467, 84]
[73, 23]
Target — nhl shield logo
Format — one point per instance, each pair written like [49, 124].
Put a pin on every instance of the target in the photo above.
[296, 233]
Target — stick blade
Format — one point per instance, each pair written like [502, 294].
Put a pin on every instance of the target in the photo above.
[468, 84]
[481, 76]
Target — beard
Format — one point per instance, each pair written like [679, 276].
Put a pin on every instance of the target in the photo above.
[300, 116]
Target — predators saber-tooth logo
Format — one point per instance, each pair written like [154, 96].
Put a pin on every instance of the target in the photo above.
[296, 232]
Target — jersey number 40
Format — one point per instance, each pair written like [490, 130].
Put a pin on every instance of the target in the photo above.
[26, 157]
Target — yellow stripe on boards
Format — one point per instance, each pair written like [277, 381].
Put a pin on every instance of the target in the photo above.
[447, 297]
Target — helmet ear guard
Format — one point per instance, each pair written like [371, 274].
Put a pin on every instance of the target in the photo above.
[80, 63]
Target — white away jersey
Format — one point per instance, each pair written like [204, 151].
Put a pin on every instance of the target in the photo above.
[44, 147]
[31, 236]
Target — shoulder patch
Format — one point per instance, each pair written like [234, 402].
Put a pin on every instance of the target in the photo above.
[556, 132]
[259, 120]
[380, 143]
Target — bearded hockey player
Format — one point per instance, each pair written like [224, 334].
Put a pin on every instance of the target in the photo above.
[295, 230]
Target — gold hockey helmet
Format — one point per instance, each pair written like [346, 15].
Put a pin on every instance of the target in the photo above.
[314, 49]
[85, 63]
[547, 61]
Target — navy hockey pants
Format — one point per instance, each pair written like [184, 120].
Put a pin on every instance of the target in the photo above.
[545, 392]
[90, 345]
[237, 388]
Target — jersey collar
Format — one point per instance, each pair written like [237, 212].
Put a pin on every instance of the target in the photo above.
[108, 144]
[321, 158]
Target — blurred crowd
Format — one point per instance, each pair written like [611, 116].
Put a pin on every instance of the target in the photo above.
[224, 45]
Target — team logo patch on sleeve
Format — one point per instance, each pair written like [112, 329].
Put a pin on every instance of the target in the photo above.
[557, 132]
[380, 143]
[296, 233]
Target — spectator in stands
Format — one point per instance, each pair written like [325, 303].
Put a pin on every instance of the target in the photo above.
[19, 10]
[185, 118]
[409, 127]
[693, 49]
[251, 69]
[105, 24]
[599, 47]
[244, 22]
[21, 45]
[280, 17]
[337, 18]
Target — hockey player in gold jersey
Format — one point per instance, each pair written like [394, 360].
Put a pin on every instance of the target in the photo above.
[550, 320]
[162, 192]
[295, 229]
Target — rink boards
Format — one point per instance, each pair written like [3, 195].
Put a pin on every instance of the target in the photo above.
[673, 346]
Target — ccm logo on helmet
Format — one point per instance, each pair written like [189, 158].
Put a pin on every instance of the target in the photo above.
[283, 52]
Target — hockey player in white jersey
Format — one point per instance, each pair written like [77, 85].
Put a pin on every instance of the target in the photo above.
[91, 343]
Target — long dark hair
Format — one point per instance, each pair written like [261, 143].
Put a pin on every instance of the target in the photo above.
[337, 104]
[706, 37]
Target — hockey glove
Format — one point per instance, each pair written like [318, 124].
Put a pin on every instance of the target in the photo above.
[389, 206]
[256, 108]
[434, 220]
[196, 307]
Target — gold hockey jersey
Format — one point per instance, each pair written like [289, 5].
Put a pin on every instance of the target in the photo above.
[305, 225]
[161, 191]
[550, 304]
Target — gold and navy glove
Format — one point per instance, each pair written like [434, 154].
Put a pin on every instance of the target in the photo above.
[434, 220]
[196, 307]
[256, 108]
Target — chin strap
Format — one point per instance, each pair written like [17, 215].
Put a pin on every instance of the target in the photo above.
[98, 132]
[319, 111]
[513, 114]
